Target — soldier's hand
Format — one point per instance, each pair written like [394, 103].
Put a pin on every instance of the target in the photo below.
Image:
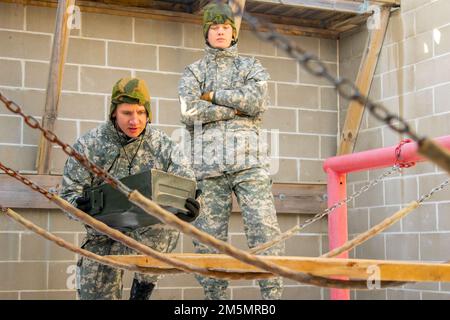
[207, 96]
[83, 203]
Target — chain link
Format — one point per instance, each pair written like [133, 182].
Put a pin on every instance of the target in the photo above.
[356, 194]
[433, 191]
[66, 148]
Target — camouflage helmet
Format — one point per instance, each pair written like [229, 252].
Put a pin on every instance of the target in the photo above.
[130, 90]
[218, 13]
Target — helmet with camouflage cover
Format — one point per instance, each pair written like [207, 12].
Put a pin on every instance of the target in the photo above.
[218, 13]
[130, 90]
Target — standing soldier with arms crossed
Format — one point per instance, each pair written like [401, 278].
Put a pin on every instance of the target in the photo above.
[223, 97]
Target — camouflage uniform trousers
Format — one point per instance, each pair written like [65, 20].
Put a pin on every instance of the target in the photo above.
[253, 191]
[96, 281]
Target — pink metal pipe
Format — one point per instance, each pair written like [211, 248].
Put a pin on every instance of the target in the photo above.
[337, 222]
[337, 169]
[377, 158]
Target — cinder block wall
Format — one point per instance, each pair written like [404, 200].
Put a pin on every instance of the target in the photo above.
[412, 80]
[302, 108]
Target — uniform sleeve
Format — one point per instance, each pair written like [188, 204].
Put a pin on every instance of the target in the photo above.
[193, 108]
[75, 177]
[250, 98]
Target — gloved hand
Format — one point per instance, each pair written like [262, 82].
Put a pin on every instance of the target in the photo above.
[83, 203]
[193, 207]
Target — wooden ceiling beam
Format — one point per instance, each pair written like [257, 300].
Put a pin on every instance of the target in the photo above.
[155, 4]
[388, 2]
[355, 20]
[291, 21]
[323, 5]
[165, 15]
[198, 6]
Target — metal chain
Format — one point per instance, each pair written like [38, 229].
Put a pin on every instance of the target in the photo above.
[66, 148]
[311, 63]
[398, 166]
[398, 153]
[433, 191]
[356, 194]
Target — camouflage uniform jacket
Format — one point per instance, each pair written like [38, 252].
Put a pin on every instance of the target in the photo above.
[103, 146]
[239, 83]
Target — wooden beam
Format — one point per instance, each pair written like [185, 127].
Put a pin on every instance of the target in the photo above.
[155, 4]
[355, 20]
[349, 6]
[361, 269]
[54, 84]
[237, 6]
[300, 31]
[14, 194]
[276, 19]
[198, 6]
[296, 198]
[289, 197]
[363, 82]
[387, 2]
[181, 17]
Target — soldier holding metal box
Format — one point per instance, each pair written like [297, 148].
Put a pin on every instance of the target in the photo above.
[128, 147]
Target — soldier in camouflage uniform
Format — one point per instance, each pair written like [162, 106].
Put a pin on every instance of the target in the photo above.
[223, 97]
[125, 145]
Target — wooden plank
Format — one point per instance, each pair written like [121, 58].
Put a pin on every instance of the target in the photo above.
[299, 198]
[14, 194]
[302, 31]
[351, 6]
[388, 2]
[54, 84]
[363, 82]
[356, 20]
[360, 269]
[180, 17]
[289, 197]
[294, 21]
[154, 4]
[136, 12]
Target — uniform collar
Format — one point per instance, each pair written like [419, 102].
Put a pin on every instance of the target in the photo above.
[215, 53]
